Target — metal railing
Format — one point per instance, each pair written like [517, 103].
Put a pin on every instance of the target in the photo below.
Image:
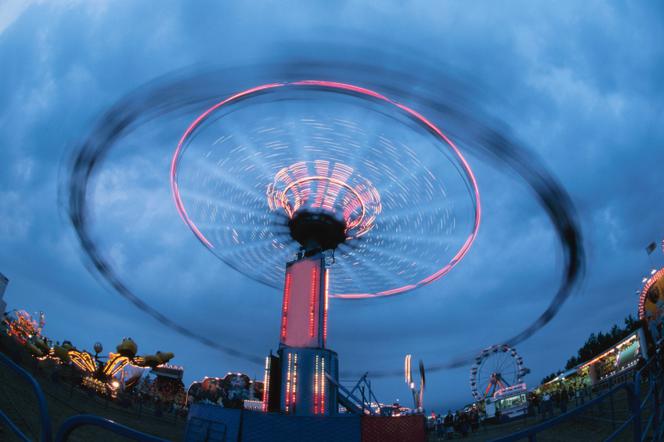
[71, 423]
[46, 431]
[82, 420]
[641, 404]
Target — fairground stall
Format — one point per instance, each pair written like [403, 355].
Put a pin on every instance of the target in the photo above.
[617, 361]
[507, 403]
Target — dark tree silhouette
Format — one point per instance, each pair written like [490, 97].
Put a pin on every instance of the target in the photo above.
[550, 377]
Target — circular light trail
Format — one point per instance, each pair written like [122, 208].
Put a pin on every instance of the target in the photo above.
[648, 307]
[346, 196]
[367, 233]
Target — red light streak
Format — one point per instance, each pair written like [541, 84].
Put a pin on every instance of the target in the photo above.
[312, 301]
[176, 156]
[319, 384]
[266, 384]
[284, 203]
[326, 275]
[287, 397]
[322, 387]
[294, 392]
[291, 382]
[407, 371]
[316, 374]
[644, 291]
[284, 314]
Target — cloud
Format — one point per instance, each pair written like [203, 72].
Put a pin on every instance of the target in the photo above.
[11, 10]
[577, 82]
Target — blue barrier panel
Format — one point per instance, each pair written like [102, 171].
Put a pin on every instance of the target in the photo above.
[257, 426]
[212, 423]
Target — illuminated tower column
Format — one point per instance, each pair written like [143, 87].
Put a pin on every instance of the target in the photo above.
[304, 310]
[304, 360]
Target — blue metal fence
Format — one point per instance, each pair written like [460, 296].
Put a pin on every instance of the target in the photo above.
[71, 424]
[46, 432]
[645, 393]
[83, 420]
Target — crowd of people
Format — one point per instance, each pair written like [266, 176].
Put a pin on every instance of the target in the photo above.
[460, 423]
[544, 404]
[561, 397]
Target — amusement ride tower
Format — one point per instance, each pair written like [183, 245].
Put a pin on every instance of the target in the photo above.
[346, 188]
[325, 208]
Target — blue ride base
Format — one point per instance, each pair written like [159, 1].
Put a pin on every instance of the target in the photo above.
[213, 423]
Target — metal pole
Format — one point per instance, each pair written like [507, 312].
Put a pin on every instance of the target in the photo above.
[363, 399]
[613, 411]
[657, 407]
[636, 406]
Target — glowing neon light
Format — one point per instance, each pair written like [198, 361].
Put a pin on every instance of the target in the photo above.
[287, 397]
[322, 386]
[617, 348]
[327, 297]
[115, 363]
[316, 375]
[294, 389]
[83, 360]
[291, 383]
[266, 384]
[656, 276]
[312, 301]
[284, 315]
[24, 328]
[355, 227]
[407, 371]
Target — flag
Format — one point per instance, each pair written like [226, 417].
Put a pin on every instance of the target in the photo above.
[651, 247]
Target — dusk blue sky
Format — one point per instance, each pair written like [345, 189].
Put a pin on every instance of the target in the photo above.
[579, 83]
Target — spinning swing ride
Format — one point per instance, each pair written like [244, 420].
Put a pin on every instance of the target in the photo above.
[355, 194]
[351, 211]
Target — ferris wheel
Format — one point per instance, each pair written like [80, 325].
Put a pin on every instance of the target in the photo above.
[496, 368]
